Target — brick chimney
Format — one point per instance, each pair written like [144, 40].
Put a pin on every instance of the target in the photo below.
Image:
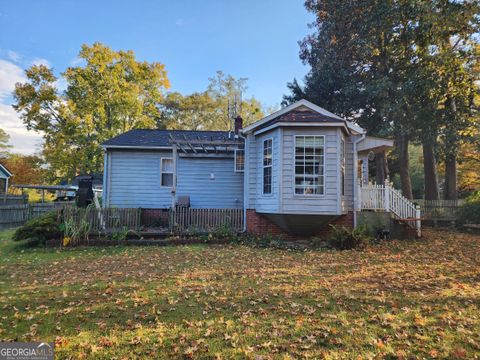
[238, 125]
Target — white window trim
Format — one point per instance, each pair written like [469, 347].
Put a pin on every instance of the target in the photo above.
[165, 172]
[235, 161]
[323, 194]
[263, 167]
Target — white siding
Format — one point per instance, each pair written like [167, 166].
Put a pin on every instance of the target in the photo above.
[134, 180]
[310, 204]
[224, 191]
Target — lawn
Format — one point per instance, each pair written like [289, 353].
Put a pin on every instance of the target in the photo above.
[399, 300]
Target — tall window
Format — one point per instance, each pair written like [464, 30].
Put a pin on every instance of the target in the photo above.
[342, 165]
[239, 160]
[309, 165]
[267, 166]
[166, 172]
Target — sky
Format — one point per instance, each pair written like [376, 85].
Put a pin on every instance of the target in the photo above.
[253, 39]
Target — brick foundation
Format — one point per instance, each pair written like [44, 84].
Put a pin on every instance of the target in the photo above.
[260, 225]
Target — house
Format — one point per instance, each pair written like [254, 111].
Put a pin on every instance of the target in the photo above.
[293, 172]
[5, 175]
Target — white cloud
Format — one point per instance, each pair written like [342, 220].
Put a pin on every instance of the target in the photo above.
[23, 141]
[179, 22]
[40, 61]
[14, 56]
[10, 74]
[76, 61]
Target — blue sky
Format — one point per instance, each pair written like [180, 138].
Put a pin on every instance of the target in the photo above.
[253, 39]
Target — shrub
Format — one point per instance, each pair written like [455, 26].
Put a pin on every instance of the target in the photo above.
[38, 230]
[469, 213]
[345, 239]
[224, 232]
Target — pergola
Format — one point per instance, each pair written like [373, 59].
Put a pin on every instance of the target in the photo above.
[201, 147]
[204, 147]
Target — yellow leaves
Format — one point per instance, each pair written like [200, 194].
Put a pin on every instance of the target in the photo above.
[66, 241]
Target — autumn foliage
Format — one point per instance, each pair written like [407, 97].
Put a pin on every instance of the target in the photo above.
[399, 300]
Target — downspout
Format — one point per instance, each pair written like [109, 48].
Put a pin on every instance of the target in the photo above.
[105, 188]
[245, 182]
[355, 178]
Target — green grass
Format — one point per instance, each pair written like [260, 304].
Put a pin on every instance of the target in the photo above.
[417, 299]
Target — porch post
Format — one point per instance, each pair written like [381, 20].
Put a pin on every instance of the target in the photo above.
[387, 197]
[418, 220]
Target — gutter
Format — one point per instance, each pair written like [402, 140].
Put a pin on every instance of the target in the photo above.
[355, 178]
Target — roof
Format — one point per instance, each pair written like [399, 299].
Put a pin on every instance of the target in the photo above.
[152, 138]
[302, 111]
[375, 144]
[5, 171]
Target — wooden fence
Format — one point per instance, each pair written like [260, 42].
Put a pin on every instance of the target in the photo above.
[17, 215]
[205, 220]
[440, 210]
[104, 220]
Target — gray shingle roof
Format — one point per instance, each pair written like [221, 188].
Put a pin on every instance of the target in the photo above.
[160, 138]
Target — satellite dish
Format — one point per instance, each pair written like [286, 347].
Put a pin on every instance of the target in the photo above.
[371, 156]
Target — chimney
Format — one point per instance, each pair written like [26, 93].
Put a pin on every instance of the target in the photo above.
[238, 124]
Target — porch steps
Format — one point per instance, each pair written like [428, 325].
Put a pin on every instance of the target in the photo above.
[386, 198]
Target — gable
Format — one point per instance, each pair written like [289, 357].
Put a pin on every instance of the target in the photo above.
[4, 172]
[303, 112]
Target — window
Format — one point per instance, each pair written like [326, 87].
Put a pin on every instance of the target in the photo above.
[267, 166]
[342, 165]
[239, 160]
[309, 165]
[166, 172]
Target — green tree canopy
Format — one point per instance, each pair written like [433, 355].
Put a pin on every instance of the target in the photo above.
[209, 110]
[111, 94]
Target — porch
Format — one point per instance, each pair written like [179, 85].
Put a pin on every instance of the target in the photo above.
[373, 197]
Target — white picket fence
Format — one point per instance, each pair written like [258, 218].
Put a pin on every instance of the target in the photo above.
[386, 198]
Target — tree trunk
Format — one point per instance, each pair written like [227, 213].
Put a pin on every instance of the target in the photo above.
[451, 144]
[380, 168]
[430, 171]
[402, 149]
[451, 178]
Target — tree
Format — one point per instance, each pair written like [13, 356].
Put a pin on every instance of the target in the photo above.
[209, 110]
[111, 94]
[380, 63]
[4, 147]
[27, 169]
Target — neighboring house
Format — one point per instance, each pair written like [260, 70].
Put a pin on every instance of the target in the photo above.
[293, 172]
[5, 175]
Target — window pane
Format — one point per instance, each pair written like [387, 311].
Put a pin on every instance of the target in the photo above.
[167, 179]
[239, 160]
[309, 170]
[167, 165]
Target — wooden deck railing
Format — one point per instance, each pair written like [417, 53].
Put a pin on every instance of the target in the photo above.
[205, 220]
[104, 220]
[386, 198]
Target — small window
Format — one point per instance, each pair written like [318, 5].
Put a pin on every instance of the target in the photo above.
[267, 166]
[239, 160]
[166, 172]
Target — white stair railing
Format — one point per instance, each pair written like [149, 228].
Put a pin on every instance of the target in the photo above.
[386, 198]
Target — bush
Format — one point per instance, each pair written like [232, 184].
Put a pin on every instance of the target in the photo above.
[345, 239]
[37, 231]
[224, 232]
[469, 213]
